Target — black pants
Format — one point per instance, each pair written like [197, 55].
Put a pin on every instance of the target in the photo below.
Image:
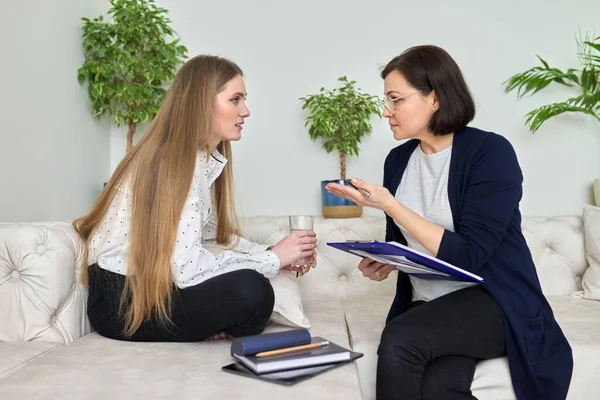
[239, 303]
[430, 351]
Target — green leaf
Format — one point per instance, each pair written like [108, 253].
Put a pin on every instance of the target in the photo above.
[537, 117]
[543, 62]
[81, 75]
[589, 79]
[595, 46]
[536, 79]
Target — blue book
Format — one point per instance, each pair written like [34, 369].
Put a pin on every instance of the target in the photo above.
[407, 260]
[249, 345]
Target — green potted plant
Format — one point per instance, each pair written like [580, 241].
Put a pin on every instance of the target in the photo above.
[128, 62]
[340, 118]
[586, 80]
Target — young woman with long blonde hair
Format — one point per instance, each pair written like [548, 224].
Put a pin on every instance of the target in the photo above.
[151, 274]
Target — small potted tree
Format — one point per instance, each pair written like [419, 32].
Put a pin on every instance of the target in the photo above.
[586, 80]
[340, 118]
[129, 61]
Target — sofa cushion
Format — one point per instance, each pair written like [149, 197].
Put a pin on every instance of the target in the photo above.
[579, 319]
[39, 289]
[15, 355]
[556, 244]
[557, 249]
[288, 309]
[591, 279]
[580, 322]
[94, 367]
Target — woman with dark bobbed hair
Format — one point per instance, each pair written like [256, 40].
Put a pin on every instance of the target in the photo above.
[453, 191]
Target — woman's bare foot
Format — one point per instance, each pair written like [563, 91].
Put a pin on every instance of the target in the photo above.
[220, 336]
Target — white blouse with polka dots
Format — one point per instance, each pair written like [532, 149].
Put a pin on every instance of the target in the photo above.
[193, 263]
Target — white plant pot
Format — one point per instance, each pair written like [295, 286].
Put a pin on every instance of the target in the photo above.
[597, 191]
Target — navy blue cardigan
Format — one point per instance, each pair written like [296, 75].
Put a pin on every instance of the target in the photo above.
[484, 189]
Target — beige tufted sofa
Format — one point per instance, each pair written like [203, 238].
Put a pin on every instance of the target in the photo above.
[47, 349]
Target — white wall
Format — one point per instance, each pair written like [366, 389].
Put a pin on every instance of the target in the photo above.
[54, 156]
[288, 49]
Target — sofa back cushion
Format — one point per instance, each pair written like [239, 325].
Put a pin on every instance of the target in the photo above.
[558, 250]
[336, 274]
[556, 245]
[591, 279]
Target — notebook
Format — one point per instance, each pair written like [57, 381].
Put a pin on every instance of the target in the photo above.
[330, 354]
[407, 260]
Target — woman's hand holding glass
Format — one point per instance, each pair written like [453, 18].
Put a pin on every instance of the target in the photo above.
[296, 246]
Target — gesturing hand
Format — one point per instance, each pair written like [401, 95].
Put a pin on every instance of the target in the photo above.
[374, 196]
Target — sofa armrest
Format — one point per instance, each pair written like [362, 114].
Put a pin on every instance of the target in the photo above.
[40, 291]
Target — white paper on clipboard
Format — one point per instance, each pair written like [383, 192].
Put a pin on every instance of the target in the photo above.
[402, 263]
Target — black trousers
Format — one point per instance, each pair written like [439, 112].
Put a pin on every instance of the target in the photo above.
[430, 351]
[239, 303]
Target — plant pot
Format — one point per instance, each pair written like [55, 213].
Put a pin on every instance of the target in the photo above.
[597, 191]
[333, 206]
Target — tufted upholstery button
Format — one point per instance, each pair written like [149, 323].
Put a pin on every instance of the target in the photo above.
[15, 274]
[42, 249]
[343, 278]
[53, 319]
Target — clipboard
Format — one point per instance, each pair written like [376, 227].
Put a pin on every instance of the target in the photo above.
[407, 260]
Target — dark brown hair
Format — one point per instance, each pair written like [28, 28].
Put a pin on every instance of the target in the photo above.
[429, 68]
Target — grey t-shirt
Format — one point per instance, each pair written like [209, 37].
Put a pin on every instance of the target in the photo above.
[424, 189]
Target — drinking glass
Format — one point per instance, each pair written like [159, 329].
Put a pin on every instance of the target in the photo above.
[301, 223]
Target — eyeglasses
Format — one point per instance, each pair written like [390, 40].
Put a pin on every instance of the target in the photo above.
[390, 104]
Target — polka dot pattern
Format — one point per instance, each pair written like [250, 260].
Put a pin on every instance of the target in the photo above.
[197, 257]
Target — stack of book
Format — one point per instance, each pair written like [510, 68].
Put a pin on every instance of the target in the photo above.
[286, 357]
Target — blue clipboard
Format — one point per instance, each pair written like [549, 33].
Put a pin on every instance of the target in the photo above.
[407, 260]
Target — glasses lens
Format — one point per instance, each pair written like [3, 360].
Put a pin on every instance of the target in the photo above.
[388, 104]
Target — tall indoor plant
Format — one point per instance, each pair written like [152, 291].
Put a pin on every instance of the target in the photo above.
[586, 80]
[129, 59]
[340, 118]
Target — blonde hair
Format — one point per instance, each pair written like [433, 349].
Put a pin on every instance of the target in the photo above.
[160, 170]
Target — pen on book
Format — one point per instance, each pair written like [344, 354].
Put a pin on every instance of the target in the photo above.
[293, 349]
